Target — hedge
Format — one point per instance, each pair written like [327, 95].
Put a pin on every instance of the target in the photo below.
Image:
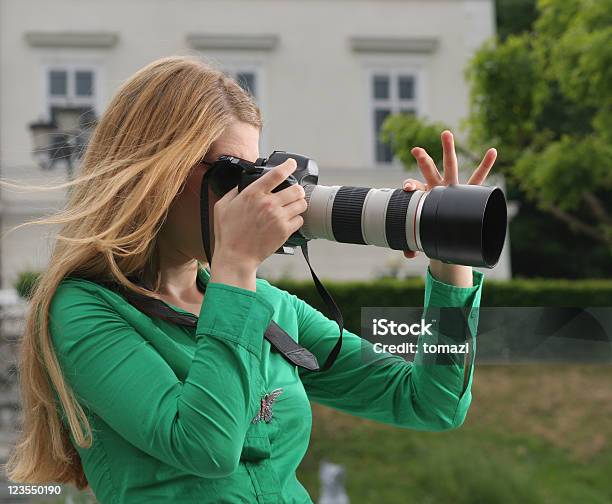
[351, 296]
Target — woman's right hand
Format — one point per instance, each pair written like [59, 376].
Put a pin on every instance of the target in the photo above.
[251, 225]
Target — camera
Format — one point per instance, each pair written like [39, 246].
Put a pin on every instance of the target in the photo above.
[457, 224]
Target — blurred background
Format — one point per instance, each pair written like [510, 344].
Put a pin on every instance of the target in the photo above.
[355, 84]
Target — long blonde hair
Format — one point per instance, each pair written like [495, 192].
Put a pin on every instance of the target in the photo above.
[158, 126]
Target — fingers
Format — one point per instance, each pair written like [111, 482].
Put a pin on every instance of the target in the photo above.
[451, 166]
[414, 184]
[410, 254]
[271, 179]
[449, 158]
[228, 196]
[480, 173]
[427, 167]
[290, 194]
[295, 223]
[295, 208]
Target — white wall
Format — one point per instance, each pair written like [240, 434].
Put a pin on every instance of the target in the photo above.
[315, 95]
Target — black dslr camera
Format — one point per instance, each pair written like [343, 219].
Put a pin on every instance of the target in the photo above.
[461, 224]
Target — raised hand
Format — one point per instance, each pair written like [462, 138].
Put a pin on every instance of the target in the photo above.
[450, 273]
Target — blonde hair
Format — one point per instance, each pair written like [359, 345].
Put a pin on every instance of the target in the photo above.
[158, 126]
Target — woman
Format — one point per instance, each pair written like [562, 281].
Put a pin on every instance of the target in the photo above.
[144, 410]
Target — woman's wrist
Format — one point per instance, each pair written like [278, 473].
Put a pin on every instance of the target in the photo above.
[452, 274]
[233, 271]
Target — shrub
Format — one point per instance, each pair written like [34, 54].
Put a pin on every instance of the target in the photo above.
[25, 283]
[352, 296]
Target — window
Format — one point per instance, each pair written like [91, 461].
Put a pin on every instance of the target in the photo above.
[248, 82]
[247, 79]
[84, 83]
[391, 92]
[250, 75]
[71, 86]
[58, 83]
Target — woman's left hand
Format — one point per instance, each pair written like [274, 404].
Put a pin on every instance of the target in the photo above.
[449, 273]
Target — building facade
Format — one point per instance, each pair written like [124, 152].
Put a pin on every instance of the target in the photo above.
[325, 74]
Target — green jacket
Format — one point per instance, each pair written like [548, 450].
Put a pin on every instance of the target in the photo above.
[172, 408]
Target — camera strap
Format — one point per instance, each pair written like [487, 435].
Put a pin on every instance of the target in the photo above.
[154, 307]
[331, 305]
[276, 335]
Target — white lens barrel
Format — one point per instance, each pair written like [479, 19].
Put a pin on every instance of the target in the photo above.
[461, 224]
[374, 211]
[317, 217]
[383, 217]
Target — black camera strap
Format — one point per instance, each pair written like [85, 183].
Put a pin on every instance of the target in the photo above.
[276, 335]
[333, 307]
[154, 307]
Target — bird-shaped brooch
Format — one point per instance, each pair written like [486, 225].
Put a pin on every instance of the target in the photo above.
[265, 411]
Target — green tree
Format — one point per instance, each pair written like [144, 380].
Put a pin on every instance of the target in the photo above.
[514, 16]
[543, 98]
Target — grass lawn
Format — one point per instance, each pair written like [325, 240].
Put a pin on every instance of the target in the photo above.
[534, 434]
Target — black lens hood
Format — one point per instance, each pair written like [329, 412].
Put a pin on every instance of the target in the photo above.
[464, 224]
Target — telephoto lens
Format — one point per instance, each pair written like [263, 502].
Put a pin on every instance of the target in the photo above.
[459, 224]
